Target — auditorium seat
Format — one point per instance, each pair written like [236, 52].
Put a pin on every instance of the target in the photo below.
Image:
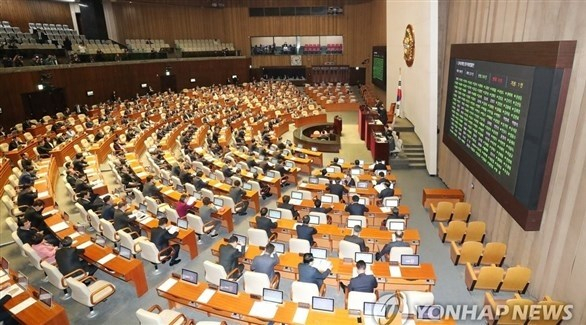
[156, 315]
[469, 252]
[442, 212]
[303, 292]
[475, 231]
[453, 232]
[485, 278]
[355, 300]
[90, 295]
[506, 315]
[516, 279]
[494, 253]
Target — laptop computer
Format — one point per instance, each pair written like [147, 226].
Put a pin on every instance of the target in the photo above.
[313, 180]
[355, 171]
[391, 203]
[314, 220]
[326, 199]
[362, 185]
[22, 281]
[340, 161]
[247, 186]
[100, 241]
[218, 202]
[161, 214]
[271, 174]
[368, 258]
[395, 225]
[319, 253]
[374, 309]
[322, 304]
[4, 264]
[410, 260]
[142, 208]
[279, 247]
[289, 164]
[125, 252]
[228, 181]
[165, 181]
[362, 201]
[243, 242]
[296, 198]
[353, 222]
[197, 196]
[227, 286]
[45, 297]
[274, 296]
[274, 214]
[182, 223]
[330, 169]
[189, 276]
[179, 188]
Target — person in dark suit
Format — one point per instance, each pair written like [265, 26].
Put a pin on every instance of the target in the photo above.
[264, 223]
[44, 149]
[26, 198]
[185, 176]
[309, 274]
[160, 237]
[335, 187]
[356, 208]
[318, 208]
[394, 215]
[197, 181]
[68, 259]
[79, 163]
[25, 161]
[24, 231]
[108, 209]
[27, 177]
[285, 205]
[229, 255]
[34, 215]
[362, 282]
[266, 262]
[304, 231]
[381, 178]
[397, 243]
[150, 189]
[237, 194]
[379, 165]
[355, 238]
[227, 170]
[85, 200]
[387, 192]
[382, 113]
[15, 143]
[6, 317]
[335, 162]
[122, 219]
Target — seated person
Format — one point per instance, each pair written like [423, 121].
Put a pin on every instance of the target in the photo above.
[397, 243]
[197, 181]
[35, 216]
[309, 274]
[79, 163]
[27, 177]
[394, 215]
[335, 187]
[24, 231]
[265, 190]
[379, 165]
[305, 231]
[182, 207]
[237, 194]
[44, 249]
[68, 259]
[229, 255]
[26, 198]
[108, 209]
[160, 236]
[87, 203]
[15, 143]
[266, 262]
[205, 213]
[265, 223]
[150, 189]
[387, 192]
[362, 282]
[355, 208]
[122, 219]
[285, 205]
[335, 162]
[318, 208]
[355, 238]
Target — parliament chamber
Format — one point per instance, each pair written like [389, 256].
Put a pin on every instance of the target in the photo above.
[235, 162]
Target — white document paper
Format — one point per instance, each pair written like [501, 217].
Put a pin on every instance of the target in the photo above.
[146, 220]
[352, 190]
[84, 245]
[60, 226]
[263, 309]
[43, 194]
[74, 235]
[385, 209]
[4, 278]
[206, 295]
[167, 284]
[46, 213]
[14, 291]
[395, 271]
[300, 315]
[380, 187]
[106, 259]
[191, 200]
[23, 305]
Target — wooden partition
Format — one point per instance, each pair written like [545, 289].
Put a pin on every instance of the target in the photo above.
[19, 13]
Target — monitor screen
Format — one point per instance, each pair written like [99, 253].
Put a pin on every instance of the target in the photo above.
[379, 66]
[340, 161]
[125, 252]
[297, 195]
[4, 264]
[229, 286]
[313, 180]
[355, 171]
[271, 174]
[197, 196]
[189, 276]
[362, 201]
[165, 181]
[314, 220]
[354, 222]
[362, 185]
[45, 297]
[391, 203]
[182, 223]
[179, 188]
[319, 253]
[327, 199]
[101, 241]
[142, 208]
[228, 181]
[161, 214]
[313, 149]
[396, 225]
[374, 309]
[274, 214]
[288, 164]
[22, 280]
[323, 304]
[330, 169]
[247, 186]
[242, 240]
[274, 161]
[361, 162]
[279, 247]
[271, 295]
[218, 202]
[410, 260]
[368, 258]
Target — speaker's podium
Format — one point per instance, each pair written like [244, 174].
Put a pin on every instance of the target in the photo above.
[168, 82]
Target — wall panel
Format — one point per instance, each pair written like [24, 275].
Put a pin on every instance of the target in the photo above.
[555, 253]
[19, 13]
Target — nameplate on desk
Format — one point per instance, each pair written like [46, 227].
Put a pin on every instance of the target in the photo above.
[84, 245]
[50, 212]
[59, 227]
[146, 220]
[23, 305]
[300, 315]
[395, 271]
[205, 296]
[263, 309]
[167, 285]
[106, 259]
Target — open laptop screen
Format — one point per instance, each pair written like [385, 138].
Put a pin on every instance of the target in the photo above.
[274, 214]
[229, 286]
[297, 195]
[323, 304]
[271, 295]
[368, 258]
[45, 297]
[279, 247]
[354, 222]
[410, 260]
[189, 276]
[319, 253]
[125, 252]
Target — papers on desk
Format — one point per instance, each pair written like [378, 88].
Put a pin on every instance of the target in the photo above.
[352, 190]
[168, 191]
[302, 184]
[191, 200]
[295, 201]
[142, 174]
[217, 185]
[167, 284]
[97, 184]
[300, 315]
[50, 212]
[266, 179]
[263, 309]
[206, 295]
[14, 291]
[395, 271]
[84, 245]
[4, 278]
[173, 229]
[23, 305]
[146, 220]
[74, 235]
[59, 227]
[380, 187]
[40, 181]
[106, 259]
[321, 264]
[42, 175]
[386, 209]
[43, 194]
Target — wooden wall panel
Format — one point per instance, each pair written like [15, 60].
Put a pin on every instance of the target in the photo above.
[556, 252]
[19, 13]
[124, 78]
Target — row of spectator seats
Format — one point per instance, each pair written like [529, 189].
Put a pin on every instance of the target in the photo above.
[334, 48]
[106, 46]
[311, 48]
[9, 34]
[52, 28]
[202, 45]
[146, 45]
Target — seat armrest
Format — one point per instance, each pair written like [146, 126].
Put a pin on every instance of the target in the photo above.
[454, 252]
[162, 253]
[180, 316]
[275, 281]
[72, 274]
[322, 290]
[100, 289]
[470, 277]
[157, 307]
[273, 237]
[442, 232]
[234, 271]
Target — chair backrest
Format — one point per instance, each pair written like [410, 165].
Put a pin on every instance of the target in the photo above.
[190, 188]
[149, 251]
[228, 202]
[348, 249]
[391, 201]
[470, 252]
[53, 274]
[255, 282]
[16, 171]
[417, 298]
[108, 230]
[33, 257]
[11, 223]
[489, 277]
[494, 253]
[297, 245]
[462, 211]
[138, 197]
[545, 304]
[207, 193]
[455, 231]
[127, 241]
[79, 291]
[476, 231]
[175, 180]
[285, 214]
[214, 272]
[82, 211]
[94, 220]
[172, 215]
[516, 279]
[194, 222]
[257, 237]
[512, 317]
[396, 252]
[357, 299]
[303, 292]
[152, 205]
[323, 218]
[219, 175]
[306, 194]
[361, 218]
[443, 211]
[19, 243]
[335, 198]
[146, 317]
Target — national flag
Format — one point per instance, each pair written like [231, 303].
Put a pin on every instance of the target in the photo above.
[399, 96]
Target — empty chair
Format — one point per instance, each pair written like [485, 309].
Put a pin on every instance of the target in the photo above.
[11, 223]
[413, 299]
[348, 249]
[255, 282]
[92, 294]
[149, 252]
[486, 278]
[303, 291]
[462, 211]
[57, 279]
[507, 315]
[215, 272]
[494, 253]
[453, 232]
[442, 212]
[11, 207]
[259, 237]
[297, 245]
[396, 252]
[475, 232]
[94, 221]
[355, 300]
[543, 318]
[109, 232]
[172, 215]
[138, 197]
[469, 252]
[516, 279]
[159, 316]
